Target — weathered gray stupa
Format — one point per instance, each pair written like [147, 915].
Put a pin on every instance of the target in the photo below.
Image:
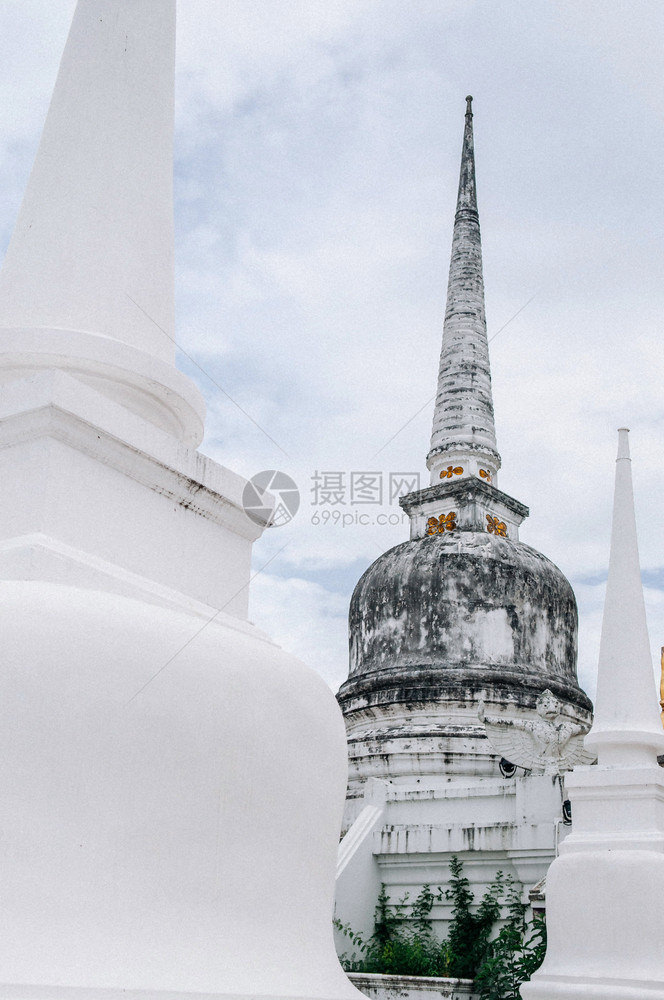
[462, 650]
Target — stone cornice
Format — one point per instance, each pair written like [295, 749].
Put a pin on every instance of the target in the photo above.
[94, 441]
[463, 491]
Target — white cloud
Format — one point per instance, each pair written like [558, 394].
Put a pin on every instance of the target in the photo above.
[306, 619]
[316, 169]
[590, 597]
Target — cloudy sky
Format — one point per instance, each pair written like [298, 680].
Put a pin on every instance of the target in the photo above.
[316, 166]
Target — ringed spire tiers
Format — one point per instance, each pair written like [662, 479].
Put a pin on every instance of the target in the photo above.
[464, 434]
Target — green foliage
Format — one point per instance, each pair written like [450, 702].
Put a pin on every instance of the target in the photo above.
[387, 918]
[469, 932]
[513, 956]
[404, 944]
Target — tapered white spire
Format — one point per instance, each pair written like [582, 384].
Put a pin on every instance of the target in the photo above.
[96, 225]
[627, 728]
[463, 426]
[88, 276]
[604, 891]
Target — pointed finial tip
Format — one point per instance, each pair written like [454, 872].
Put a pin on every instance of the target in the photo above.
[469, 105]
[623, 443]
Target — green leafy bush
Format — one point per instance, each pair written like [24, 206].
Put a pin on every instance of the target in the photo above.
[403, 942]
[513, 955]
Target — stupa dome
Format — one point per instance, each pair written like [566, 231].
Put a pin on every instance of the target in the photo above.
[460, 617]
[154, 836]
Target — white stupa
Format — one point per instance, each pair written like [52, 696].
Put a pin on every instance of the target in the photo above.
[604, 893]
[164, 827]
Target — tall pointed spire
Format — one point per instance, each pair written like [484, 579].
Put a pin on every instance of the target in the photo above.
[607, 883]
[88, 276]
[463, 426]
[96, 224]
[627, 728]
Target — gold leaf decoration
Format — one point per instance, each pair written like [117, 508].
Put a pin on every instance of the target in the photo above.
[451, 471]
[438, 525]
[485, 474]
[496, 527]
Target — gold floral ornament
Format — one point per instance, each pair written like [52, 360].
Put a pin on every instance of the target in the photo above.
[496, 527]
[485, 474]
[451, 471]
[438, 525]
